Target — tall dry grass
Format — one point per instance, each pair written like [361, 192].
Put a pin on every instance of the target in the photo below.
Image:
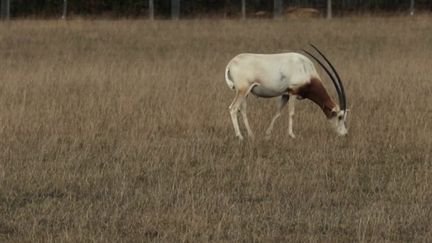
[120, 131]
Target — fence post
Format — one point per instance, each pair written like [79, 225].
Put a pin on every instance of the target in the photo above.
[277, 8]
[5, 9]
[151, 9]
[412, 7]
[329, 9]
[64, 9]
[175, 9]
[243, 9]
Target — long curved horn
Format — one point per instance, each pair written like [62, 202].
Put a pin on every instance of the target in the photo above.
[342, 90]
[338, 91]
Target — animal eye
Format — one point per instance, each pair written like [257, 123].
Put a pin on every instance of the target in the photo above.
[340, 118]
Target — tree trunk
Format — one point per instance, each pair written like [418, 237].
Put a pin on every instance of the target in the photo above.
[5, 9]
[175, 9]
[151, 9]
[64, 9]
[243, 9]
[412, 7]
[277, 8]
[329, 9]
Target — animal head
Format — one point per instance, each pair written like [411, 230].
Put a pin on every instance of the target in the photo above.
[338, 121]
[339, 113]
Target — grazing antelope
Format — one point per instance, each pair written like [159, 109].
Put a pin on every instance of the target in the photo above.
[283, 75]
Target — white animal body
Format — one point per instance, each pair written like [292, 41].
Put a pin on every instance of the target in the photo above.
[281, 75]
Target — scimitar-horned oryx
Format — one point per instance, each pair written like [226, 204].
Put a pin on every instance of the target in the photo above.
[284, 75]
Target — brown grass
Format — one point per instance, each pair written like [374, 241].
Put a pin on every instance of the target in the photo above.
[120, 131]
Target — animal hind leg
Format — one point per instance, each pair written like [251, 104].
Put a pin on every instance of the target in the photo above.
[281, 104]
[234, 108]
[239, 104]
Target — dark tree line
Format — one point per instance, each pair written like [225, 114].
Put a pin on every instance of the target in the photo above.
[193, 8]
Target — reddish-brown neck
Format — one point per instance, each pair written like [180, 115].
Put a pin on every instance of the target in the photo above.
[316, 92]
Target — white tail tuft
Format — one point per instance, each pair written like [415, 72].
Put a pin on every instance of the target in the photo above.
[228, 79]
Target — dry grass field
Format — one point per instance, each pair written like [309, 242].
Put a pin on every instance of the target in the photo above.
[119, 131]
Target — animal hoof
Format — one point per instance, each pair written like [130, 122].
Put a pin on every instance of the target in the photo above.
[292, 135]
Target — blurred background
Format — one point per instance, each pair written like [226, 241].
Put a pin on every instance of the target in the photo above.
[164, 9]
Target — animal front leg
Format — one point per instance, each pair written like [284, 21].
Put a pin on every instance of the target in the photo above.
[245, 119]
[281, 103]
[291, 115]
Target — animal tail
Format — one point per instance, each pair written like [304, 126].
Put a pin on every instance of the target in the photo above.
[228, 79]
